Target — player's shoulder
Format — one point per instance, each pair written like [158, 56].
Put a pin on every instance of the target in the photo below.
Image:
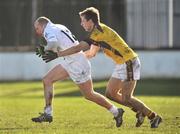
[53, 27]
[102, 25]
[49, 28]
[105, 27]
[50, 31]
[60, 26]
[96, 32]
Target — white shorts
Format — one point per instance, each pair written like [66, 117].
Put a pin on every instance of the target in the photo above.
[128, 71]
[78, 70]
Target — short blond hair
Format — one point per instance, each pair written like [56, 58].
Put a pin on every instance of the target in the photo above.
[91, 13]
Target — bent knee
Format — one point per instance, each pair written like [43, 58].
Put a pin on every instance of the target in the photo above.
[89, 96]
[110, 94]
[47, 81]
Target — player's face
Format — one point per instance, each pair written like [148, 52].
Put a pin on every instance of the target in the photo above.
[38, 29]
[86, 24]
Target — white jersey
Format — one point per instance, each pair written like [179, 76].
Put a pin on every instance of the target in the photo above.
[77, 65]
[63, 37]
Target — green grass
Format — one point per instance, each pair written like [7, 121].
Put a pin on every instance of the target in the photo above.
[20, 101]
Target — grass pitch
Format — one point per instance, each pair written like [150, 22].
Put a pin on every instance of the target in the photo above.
[20, 101]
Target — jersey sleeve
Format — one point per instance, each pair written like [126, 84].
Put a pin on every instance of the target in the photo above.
[89, 41]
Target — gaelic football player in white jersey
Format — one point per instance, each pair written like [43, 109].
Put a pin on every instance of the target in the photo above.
[75, 66]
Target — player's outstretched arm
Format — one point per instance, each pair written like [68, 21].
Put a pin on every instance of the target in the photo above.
[50, 55]
[75, 49]
[92, 51]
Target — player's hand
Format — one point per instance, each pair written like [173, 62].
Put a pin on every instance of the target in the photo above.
[40, 50]
[49, 56]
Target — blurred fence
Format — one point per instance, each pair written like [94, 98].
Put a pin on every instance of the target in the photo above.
[143, 24]
[27, 66]
[149, 23]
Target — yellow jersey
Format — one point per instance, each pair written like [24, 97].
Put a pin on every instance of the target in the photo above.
[112, 44]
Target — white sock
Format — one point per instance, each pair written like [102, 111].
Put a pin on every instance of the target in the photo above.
[48, 110]
[114, 110]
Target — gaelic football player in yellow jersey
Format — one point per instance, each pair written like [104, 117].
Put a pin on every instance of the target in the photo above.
[122, 83]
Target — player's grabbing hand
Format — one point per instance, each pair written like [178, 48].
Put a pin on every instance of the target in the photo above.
[49, 56]
[40, 50]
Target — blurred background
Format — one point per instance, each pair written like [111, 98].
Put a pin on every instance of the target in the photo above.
[150, 27]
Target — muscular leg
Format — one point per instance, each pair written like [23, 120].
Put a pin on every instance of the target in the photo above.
[86, 89]
[114, 91]
[127, 91]
[122, 93]
[57, 73]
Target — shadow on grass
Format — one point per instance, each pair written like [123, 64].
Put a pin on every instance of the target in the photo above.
[78, 93]
[22, 91]
[150, 87]
[146, 87]
[10, 129]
